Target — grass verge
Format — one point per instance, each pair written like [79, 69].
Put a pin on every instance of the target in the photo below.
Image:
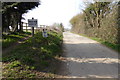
[115, 47]
[34, 58]
[8, 40]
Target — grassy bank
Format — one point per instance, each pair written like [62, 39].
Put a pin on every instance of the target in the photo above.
[8, 40]
[34, 58]
[115, 47]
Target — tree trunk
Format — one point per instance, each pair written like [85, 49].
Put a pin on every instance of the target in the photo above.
[20, 23]
[118, 23]
[15, 27]
[7, 22]
[14, 22]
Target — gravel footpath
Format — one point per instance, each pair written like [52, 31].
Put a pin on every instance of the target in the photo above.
[86, 58]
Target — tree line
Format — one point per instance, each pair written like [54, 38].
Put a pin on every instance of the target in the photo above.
[12, 15]
[99, 19]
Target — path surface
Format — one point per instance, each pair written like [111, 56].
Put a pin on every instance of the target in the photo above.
[86, 58]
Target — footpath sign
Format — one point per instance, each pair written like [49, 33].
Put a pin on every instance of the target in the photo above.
[32, 23]
[44, 33]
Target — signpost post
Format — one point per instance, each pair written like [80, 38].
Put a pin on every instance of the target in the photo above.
[32, 23]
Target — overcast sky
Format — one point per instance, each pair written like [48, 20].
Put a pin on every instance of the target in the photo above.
[59, 11]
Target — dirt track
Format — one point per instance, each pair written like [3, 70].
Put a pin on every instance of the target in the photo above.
[86, 58]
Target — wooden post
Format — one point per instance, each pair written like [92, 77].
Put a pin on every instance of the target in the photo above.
[26, 28]
[32, 31]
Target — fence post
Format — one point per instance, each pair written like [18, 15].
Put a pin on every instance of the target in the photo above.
[26, 27]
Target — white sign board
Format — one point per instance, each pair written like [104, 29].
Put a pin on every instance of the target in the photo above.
[44, 33]
[32, 23]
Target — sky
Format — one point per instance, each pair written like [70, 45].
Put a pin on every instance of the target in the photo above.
[55, 11]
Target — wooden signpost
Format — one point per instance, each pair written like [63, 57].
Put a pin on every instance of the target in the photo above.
[32, 23]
